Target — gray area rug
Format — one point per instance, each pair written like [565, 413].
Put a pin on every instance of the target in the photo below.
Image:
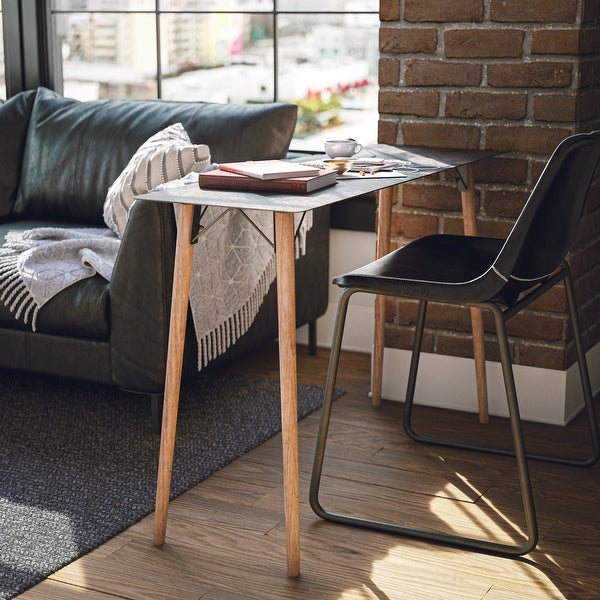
[78, 461]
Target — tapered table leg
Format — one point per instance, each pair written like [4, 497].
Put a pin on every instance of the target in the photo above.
[286, 309]
[469, 209]
[179, 310]
[385, 199]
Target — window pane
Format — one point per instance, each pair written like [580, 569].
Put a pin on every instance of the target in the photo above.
[217, 5]
[328, 66]
[111, 5]
[347, 6]
[221, 57]
[108, 55]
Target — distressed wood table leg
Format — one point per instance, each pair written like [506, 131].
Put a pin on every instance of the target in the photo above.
[179, 310]
[286, 308]
[385, 199]
[469, 209]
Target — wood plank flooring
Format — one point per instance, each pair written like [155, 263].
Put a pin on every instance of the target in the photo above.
[225, 537]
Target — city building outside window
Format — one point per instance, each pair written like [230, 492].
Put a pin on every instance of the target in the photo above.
[319, 54]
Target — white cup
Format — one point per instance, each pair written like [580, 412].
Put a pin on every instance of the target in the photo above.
[336, 148]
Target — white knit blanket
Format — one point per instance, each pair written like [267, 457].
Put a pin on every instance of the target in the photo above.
[233, 267]
[36, 264]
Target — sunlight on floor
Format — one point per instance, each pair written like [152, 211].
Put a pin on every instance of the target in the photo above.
[482, 575]
[21, 531]
[471, 514]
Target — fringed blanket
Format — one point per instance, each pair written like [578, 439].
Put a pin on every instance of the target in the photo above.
[234, 265]
[37, 264]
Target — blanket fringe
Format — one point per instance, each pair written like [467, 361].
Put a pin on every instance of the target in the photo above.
[225, 334]
[13, 292]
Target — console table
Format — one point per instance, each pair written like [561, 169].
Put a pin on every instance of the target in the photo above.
[425, 162]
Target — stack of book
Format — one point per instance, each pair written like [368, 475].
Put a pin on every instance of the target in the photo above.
[267, 176]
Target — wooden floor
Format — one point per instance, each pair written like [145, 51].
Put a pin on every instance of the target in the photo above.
[225, 538]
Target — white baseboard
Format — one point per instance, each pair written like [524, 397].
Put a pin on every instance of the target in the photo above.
[545, 395]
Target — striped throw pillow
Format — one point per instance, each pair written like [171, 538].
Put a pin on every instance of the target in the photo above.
[167, 155]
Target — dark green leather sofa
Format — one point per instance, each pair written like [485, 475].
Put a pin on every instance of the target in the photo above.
[58, 157]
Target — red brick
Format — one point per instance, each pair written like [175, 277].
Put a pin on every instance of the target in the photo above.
[440, 135]
[537, 326]
[504, 204]
[544, 356]
[554, 300]
[412, 225]
[485, 227]
[448, 316]
[553, 107]
[389, 10]
[537, 140]
[402, 338]
[533, 11]
[407, 39]
[437, 72]
[455, 344]
[533, 74]
[555, 41]
[483, 43]
[421, 103]
[433, 197]
[387, 131]
[406, 312]
[501, 170]
[468, 11]
[485, 105]
[389, 72]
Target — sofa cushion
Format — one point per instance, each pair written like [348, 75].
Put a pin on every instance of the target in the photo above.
[14, 120]
[75, 150]
[167, 155]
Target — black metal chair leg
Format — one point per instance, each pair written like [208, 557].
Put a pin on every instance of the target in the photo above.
[587, 393]
[434, 536]
[332, 370]
[583, 373]
[413, 369]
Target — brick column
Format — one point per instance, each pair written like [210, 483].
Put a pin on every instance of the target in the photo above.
[492, 74]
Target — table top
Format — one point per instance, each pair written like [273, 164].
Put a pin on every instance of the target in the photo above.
[418, 162]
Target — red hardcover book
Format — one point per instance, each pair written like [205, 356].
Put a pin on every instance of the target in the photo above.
[225, 180]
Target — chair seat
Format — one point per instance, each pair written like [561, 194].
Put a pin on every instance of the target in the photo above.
[447, 268]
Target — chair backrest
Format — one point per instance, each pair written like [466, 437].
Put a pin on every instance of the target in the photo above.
[544, 231]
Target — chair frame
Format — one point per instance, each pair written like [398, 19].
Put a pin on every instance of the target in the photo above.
[501, 316]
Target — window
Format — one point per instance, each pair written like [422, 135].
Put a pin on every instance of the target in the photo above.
[319, 54]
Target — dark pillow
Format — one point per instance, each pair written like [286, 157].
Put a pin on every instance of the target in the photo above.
[14, 120]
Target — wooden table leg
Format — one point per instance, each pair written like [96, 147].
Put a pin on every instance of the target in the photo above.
[469, 208]
[179, 310]
[286, 309]
[385, 199]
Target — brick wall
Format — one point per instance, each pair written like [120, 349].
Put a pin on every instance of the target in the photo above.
[506, 75]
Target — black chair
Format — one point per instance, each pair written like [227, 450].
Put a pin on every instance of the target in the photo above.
[503, 276]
